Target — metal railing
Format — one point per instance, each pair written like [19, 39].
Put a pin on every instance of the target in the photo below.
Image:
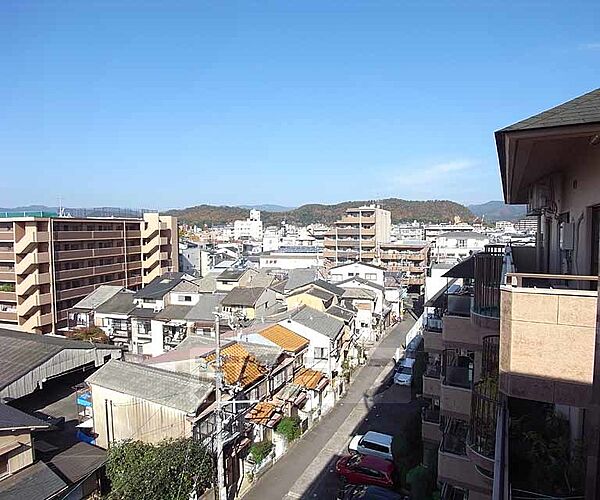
[488, 277]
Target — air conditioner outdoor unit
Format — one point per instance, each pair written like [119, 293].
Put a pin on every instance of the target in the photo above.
[540, 197]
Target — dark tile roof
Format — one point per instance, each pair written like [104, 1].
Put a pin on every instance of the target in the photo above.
[143, 313]
[121, 303]
[320, 294]
[205, 309]
[340, 312]
[579, 111]
[175, 390]
[173, 311]
[22, 352]
[242, 296]
[36, 482]
[330, 287]
[300, 277]
[11, 418]
[78, 461]
[318, 321]
[160, 286]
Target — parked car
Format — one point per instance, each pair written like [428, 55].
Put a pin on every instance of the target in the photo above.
[366, 492]
[366, 469]
[372, 443]
[403, 374]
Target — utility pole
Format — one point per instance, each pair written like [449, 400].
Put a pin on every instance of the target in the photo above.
[221, 490]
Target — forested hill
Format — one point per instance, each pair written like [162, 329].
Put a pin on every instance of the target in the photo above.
[402, 211]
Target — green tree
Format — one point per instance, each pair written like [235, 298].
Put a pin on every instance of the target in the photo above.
[407, 446]
[289, 428]
[169, 470]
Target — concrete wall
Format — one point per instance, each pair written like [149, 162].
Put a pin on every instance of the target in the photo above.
[455, 401]
[460, 471]
[295, 301]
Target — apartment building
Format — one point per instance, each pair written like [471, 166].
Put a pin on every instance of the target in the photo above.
[357, 235]
[48, 263]
[251, 228]
[512, 338]
[409, 257]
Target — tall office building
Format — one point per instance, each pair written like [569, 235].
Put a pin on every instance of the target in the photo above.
[48, 262]
[358, 235]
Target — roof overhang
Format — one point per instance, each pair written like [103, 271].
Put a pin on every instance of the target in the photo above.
[526, 156]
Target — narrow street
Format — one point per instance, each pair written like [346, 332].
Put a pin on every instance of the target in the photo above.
[370, 403]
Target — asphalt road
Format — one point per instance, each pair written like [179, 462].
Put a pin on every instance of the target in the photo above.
[371, 403]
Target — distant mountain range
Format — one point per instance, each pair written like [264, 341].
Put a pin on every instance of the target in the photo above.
[402, 210]
[268, 208]
[498, 210]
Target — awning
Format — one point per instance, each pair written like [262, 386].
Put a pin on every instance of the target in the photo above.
[464, 269]
[88, 424]
[438, 299]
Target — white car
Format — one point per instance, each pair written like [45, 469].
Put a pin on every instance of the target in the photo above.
[372, 443]
[403, 374]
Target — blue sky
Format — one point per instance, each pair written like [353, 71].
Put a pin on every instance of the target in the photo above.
[171, 104]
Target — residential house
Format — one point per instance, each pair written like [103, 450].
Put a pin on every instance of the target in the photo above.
[82, 313]
[248, 303]
[136, 401]
[369, 272]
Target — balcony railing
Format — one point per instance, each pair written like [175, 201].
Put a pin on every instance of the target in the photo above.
[488, 275]
[433, 323]
[484, 414]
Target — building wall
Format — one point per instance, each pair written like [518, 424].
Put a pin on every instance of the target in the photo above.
[23, 455]
[133, 418]
[295, 301]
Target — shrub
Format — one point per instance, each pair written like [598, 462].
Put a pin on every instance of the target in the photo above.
[260, 451]
[93, 333]
[289, 428]
[421, 483]
[7, 287]
[172, 469]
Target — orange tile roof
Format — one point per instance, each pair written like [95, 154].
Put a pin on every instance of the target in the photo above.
[284, 338]
[239, 366]
[308, 378]
[262, 413]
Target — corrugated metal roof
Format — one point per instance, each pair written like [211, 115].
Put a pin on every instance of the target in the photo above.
[160, 286]
[99, 296]
[340, 312]
[174, 390]
[359, 293]
[319, 321]
[300, 277]
[173, 311]
[36, 482]
[22, 352]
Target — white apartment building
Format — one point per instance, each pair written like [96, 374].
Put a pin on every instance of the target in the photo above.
[251, 228]
[432, 231]
[456, 245]
[505, 225]
[292, 257]
[408, 231]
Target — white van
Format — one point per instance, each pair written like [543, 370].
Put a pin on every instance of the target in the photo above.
[403, 373]
[372, 443]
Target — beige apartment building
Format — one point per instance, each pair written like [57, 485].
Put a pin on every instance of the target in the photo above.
[513, 339]
[48, 263]
[409, 258]
[357, 235]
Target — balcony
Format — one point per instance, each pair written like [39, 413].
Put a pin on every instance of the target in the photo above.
[30, 239]
[7, 276]
[481, 442]
[457, 381]
[86, 272]
[7, 256]
[431, 386]
[430, 425]
[460, 332]
[433, 341]
[7, 236]
[488, 276]
[8, 296]
[458, 470]
[134, 249]
[31, 260]
[74, 254]
[8, 315]
[547, 337]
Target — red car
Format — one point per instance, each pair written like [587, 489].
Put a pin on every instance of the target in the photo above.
[366, 469]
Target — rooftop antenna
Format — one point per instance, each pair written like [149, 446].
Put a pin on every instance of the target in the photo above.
[61, 209]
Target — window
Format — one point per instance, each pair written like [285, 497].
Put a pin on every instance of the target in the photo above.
[185, 298]
[461, 243]
[3, 465]
[320, 353]
[375, 446]
[371, 276]
[278, 379]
